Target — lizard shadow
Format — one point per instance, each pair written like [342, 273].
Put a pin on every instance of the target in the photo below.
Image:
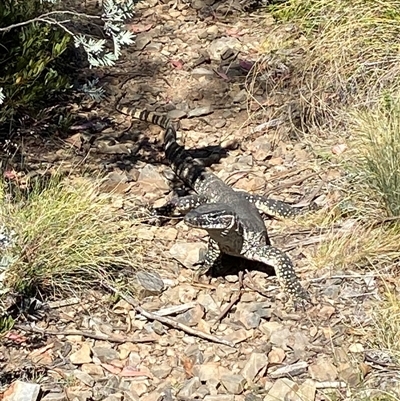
[234, 265]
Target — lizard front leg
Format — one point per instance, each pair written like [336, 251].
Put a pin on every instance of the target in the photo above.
[284, 270]
[211, 258]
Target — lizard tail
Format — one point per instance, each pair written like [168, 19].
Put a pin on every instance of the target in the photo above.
[188, 169]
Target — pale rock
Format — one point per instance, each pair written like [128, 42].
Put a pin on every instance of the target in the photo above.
[356, 348]
[83, 377]
[306, 392]
[281, 338]
[93, 370]
[139, 387]
[219, 46]
[276, 356]
[326, 312]
[191, 317]
[176, 114]
[280, 389]
[55, 397]
[82, 355]
[219, 397]
[233, 383]
[249, 320]
[153, 396]
[188, 254]
[269, 328]
[104, 354]
[256, 362]
[78, 394]
[189, 388]
[238, 336]
[323, 370]
[21, 391]
[114, 397]
[200, 111]
[206, 371]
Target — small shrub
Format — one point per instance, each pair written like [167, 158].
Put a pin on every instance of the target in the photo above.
[30, 68]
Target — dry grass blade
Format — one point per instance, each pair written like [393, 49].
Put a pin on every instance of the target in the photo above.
[351, 54]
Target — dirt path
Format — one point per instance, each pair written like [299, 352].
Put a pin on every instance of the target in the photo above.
[199, 65]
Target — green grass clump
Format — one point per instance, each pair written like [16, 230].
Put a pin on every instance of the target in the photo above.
[67, 236]
[376, 134]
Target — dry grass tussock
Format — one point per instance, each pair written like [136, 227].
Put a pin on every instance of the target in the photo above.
[346, 53]
[67, 236]
[342, 60]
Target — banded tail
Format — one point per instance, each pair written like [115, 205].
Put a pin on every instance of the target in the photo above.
[187, 169]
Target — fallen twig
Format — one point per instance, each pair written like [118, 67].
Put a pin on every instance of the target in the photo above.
[279, 187]
[235, 298]
[87, 334]
[168, 321]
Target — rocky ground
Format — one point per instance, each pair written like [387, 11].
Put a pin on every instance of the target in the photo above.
[234, 338]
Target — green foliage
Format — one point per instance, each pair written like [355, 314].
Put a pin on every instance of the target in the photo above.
[30, 66]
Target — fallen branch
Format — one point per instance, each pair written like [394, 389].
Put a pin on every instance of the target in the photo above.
[168, 321]
[103, 337]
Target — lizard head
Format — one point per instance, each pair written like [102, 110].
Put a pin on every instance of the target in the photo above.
[211, 216]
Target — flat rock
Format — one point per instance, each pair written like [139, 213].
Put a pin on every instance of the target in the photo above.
[306, 392]
[206, 371]
[192, 317]
[189, 387]
[153, 396]
[256, 362]
[187, 253]
[22, 391]
[149, 174]
[176, 114]
[150, 280]
[280, 389]
[250, 320]
[139, 387]
[83, 377]
[276, 355]
[323, 370]
[142, 40]
[220, 397]
[92, 369]
[233, 383]
[281, 338]
[82, 355]
[200, 111]
[105, 354]
[55, 397]
[221, 45]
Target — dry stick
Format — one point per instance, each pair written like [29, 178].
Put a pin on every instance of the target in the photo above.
[85, 334]
[235, 298]
[279, 187]
[168, 321]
